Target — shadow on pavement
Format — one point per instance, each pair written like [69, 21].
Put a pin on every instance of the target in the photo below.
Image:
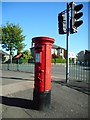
[17, 78]
[79, 86]
[17, 102]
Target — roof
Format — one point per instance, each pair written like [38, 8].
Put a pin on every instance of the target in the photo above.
[3, 53]
[18, 56]
[56, 47]
[87, 51]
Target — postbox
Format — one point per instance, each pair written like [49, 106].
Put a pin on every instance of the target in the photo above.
[42, 75]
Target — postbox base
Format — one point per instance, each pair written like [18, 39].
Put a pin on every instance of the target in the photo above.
[41, 100]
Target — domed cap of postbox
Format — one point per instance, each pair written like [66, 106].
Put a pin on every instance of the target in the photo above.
[42, 39]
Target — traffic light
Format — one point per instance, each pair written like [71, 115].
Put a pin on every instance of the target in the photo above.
[75, 15]
[62, 23]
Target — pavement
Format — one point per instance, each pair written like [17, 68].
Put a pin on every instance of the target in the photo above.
[68, 100]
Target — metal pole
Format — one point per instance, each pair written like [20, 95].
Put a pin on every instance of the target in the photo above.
[18, 64]
[67, 56]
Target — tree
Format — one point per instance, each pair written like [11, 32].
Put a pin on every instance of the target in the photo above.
[12, 38]
[20, 48]
[26, 55]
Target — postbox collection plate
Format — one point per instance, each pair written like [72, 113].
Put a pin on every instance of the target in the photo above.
[37, 57]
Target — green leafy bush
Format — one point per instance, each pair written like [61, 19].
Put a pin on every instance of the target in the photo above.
[59, 60]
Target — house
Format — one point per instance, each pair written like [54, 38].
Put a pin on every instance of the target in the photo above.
[62, 52]
[57, 50]
[84, 57]
[87, 57]
[81, 56]
[4, 57]
[72, 56]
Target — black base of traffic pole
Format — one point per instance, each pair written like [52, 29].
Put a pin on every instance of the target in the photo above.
[41, 100]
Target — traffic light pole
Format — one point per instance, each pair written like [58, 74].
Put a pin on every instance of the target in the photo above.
[70, 27]
[67, 50]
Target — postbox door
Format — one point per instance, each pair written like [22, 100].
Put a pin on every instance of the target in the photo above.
[42, 68]
[39, 70]
[47, 61]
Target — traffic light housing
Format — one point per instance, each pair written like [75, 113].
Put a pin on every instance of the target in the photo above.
[61, 23]
[75, 15]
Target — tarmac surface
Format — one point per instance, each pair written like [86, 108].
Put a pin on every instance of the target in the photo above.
[68, 100]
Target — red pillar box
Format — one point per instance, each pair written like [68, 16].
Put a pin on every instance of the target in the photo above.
[42, 79]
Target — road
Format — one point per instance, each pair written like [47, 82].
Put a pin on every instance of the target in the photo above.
[59, 71]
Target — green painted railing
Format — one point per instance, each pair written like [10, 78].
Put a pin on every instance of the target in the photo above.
[79, 72]
[76, 72]
[29, 67]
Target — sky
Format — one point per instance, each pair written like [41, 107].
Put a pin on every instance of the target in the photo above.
[41, 19]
